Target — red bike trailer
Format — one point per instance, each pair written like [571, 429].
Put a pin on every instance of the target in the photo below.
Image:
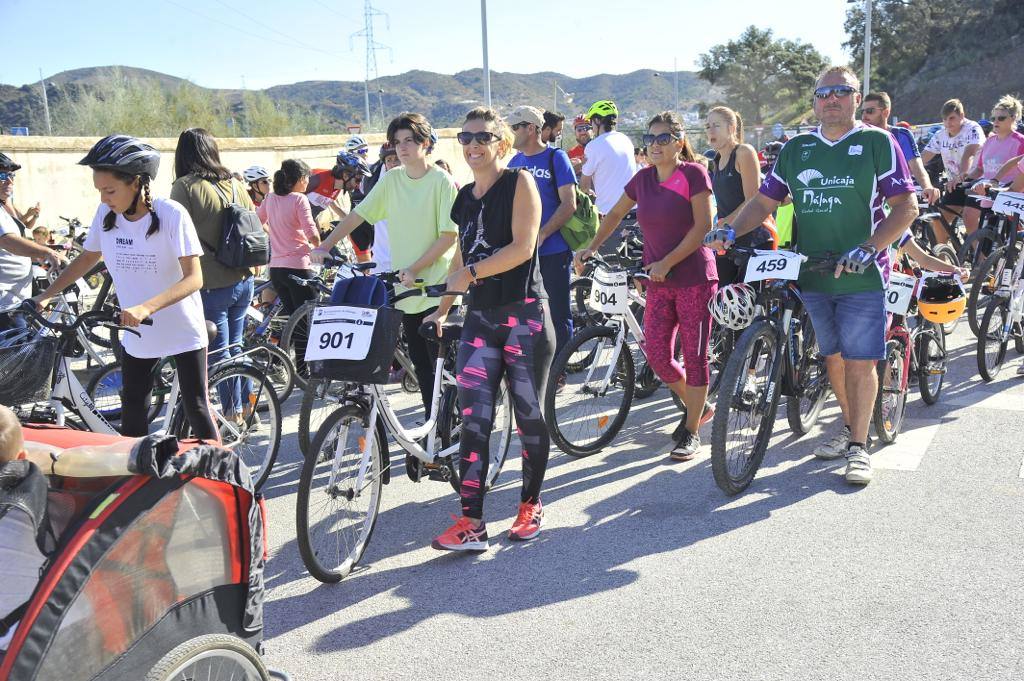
[158, 569]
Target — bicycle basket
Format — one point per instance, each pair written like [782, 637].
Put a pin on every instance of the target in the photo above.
[376, 367]
[26, 369]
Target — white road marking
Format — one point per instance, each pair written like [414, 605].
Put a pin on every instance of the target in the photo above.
[906, 453]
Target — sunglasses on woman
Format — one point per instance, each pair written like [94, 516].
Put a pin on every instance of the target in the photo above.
[6, 177]
[840, 91]
[1001, 118]
[467, 138]
[662, 139]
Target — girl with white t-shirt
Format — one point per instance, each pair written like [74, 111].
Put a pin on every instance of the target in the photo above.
[152, 251]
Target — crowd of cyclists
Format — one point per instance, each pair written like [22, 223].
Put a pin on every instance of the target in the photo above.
[843, 194]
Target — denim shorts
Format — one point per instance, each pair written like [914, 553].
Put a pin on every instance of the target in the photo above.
[851, 323]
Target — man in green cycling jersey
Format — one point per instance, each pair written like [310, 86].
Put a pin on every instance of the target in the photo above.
[839, 175]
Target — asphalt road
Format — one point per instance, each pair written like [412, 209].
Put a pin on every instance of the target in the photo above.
[645, 569]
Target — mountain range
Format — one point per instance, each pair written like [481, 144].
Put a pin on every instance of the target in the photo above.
[443, 98]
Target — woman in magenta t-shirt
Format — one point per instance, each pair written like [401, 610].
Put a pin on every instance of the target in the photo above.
[673, 200]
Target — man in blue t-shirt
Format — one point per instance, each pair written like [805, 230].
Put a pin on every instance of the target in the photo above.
[875, 111]
[556, 183]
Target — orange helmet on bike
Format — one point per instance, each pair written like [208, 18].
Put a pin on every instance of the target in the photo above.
[941, 299]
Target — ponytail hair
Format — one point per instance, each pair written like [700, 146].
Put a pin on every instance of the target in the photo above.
[292, 170]
[731, 117]
[110, 219]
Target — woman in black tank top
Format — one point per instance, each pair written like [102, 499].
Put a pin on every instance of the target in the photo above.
[735, 178]
[507, 330]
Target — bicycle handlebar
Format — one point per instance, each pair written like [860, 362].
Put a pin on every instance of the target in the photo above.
[106, 318]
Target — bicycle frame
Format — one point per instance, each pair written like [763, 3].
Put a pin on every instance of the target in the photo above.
[624, 323]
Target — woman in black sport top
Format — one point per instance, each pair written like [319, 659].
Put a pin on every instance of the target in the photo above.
[735, 177]
[507, 330]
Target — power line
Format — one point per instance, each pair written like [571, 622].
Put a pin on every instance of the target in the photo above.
[334, 11]
[295, 41]
[249, 33]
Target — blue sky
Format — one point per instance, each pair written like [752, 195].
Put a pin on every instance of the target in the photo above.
[258, 43]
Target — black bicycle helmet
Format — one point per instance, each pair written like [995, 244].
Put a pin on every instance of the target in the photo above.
[124, 154]
[350, 163]
[7, 164]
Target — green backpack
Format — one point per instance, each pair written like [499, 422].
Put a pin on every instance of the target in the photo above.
[582, 226]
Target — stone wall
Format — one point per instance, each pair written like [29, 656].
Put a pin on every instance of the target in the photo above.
[51, 176]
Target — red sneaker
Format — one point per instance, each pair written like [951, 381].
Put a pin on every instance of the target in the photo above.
[462, 536]
[527, 524]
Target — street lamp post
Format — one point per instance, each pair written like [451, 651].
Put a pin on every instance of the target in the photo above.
[867, 43]
[487, 69]
[380, 103]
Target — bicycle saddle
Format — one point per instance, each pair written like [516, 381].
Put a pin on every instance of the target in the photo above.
[450, 332]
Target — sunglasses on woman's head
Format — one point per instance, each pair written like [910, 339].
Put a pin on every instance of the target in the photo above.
[661, 140]
[840, 91]
[467, 138]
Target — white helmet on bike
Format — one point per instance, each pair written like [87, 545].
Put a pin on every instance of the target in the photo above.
[734, 306]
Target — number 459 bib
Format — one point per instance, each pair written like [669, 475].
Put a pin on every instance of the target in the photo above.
[773, 265]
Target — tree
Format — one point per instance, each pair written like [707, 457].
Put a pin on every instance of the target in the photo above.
[760, 74]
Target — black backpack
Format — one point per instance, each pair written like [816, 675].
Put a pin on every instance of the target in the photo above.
[243, 243]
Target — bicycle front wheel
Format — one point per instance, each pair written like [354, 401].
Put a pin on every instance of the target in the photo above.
[321, 397]
[891, 399]
[586, 409]
[993, 338]
[294, 338]
[339, 495]
[931, 362]
[984, 282]
[247, 413]
[748, 400]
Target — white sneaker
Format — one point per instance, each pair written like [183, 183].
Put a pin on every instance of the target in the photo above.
[858, 467]
[1020, 369]
[834, 448]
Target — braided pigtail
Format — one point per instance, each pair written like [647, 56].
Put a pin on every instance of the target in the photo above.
[147, 198]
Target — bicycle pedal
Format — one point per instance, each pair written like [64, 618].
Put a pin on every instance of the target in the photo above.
[439, 474]
[414, 468]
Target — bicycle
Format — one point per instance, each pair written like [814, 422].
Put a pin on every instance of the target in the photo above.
[987, 277]
[257, 439]
[918, 349]
[1002, 319]
[593, 380]
[779, 346]
[343, 473]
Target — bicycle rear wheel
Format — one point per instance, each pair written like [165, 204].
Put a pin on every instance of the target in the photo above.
[993, 339]
[748, 400]
[891, 399]
[812, 387]
[104, 389]
[335, 519]
[586, 409]
[450, 430]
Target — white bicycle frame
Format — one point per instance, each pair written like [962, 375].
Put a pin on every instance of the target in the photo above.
[625, 323]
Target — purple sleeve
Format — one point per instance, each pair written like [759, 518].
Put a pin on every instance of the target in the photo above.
[898, 180]
[632, 188]
[697, 177]
[774, 187]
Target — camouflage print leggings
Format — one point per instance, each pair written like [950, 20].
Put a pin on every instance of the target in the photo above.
[518, 340]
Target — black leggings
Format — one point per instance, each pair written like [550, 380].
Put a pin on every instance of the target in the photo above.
[291, 293]
[137, 391]
[517, 339]
[422, 354]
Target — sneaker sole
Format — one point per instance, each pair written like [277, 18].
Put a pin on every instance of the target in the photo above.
[515, 536]
[682, 457]
[858, 478]
[467, 546]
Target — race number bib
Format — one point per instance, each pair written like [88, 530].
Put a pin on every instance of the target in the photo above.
[340, 332]
[1009, 203]
[773, 265]
[610, 292]
[900, 292]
